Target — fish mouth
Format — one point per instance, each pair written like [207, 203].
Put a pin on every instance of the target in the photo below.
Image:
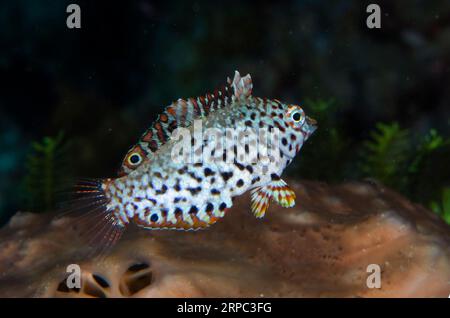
[309, 127]
[312, 126]
[311, 122]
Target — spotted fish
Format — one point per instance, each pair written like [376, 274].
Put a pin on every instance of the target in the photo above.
[157, 190]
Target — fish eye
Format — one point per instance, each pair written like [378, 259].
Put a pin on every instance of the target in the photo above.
[297, 116]
[134, 159]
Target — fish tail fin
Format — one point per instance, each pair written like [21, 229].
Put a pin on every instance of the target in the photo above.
[87, 214]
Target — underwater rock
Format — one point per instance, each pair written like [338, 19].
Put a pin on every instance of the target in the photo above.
[323, 247]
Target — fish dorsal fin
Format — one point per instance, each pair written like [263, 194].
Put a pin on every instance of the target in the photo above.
[242, 86]
[182, 113]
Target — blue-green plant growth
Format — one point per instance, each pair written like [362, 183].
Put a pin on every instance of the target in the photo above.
[442, 207]
[47, 174]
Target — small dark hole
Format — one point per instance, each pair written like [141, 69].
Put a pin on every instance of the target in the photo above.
[62, 287]
[139, 283]
[138, 267]
[93, 290]
[100, 280]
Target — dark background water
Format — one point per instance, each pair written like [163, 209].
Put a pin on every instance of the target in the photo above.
[103, 84]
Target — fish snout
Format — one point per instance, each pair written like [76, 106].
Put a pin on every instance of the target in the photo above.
[312, 123]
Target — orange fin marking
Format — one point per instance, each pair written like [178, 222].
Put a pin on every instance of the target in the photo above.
[260, 198]
[277, 191]
[282, 193]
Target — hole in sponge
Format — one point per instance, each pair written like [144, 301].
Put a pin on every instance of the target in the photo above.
[137, 267]
[100, 280]
[62, 287]
[93, 290]
[136, 278]
[139, 282]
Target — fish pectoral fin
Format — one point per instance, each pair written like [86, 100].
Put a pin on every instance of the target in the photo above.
[282, 193]
[276, 190]
[260, 197]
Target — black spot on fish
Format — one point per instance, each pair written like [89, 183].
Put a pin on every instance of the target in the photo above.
[249, 168]
[162, 190]
[215, 192]
[226, 175]
[222, 206]
[256, 179]
[193, 210]
[209, 207]
[240, 166]
[178, 212]
[275, 177]
[193, 176]
[284, 141]
[194, 191]
[154, 218]
[240, 183]
[157, 175]
[208, 172]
